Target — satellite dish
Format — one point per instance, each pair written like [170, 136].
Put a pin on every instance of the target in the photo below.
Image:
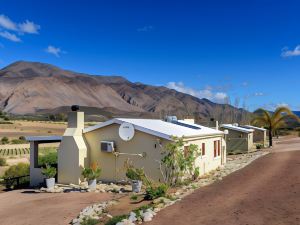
[126, 131]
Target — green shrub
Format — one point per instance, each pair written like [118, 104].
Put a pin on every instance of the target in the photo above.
[259, 146]
[116, 219]
[21, 169]
[6, 122]
[91, 173]
[18, 141]
[89, 221]
[156, 191]
[50, 158]
[133, 173]
[3, 162]
[5, 140]
[196, 173]
[134, 197]
[22, 138]
[48, 171]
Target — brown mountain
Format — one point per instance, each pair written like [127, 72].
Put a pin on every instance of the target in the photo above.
[39, 88]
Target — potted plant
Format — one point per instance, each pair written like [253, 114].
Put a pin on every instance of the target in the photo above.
[49, 172]
[136, 175]
[91, 174]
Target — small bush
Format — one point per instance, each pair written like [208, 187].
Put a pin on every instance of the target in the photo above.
[6, 122]
[116, 219]
[50, 158]
[48, 171]
[21, 169]
[134, 197]
[5, 140]
[133, 173]
[91, 173]
[89, 221]
[18, 141]
[259, 146]
[156, 191]
[3, 162]
[22, 138]
[196, 173]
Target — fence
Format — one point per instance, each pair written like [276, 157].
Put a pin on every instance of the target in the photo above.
[16, 182]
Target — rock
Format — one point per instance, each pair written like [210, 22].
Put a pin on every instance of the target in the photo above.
[147, 216]
[161, 200]
[76, 220]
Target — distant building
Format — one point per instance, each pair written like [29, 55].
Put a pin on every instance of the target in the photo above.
[259, 134]
[238, 139]
[111, 143]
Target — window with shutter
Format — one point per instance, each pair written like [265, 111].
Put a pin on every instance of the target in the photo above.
[203, 148]
[215, 148]
[219, 148]
[186, 151]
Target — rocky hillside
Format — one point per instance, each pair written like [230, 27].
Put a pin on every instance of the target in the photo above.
[39, 88]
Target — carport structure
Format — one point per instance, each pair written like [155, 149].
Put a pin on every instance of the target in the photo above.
[36, 177]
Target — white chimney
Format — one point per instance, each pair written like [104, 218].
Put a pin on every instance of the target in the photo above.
[72, 153]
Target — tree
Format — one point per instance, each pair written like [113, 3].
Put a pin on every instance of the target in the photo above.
[5, 140]
[273, 121]
[179, 160]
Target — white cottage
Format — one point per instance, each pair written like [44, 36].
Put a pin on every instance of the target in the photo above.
[111, 143]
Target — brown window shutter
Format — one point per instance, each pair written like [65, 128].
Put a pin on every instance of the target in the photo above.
[215, 148]
[186, 151]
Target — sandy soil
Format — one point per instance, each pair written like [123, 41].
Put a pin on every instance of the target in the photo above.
[29, 128]
[267, 192]
[23, 207]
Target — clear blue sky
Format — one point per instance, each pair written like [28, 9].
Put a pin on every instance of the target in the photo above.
[246, 50]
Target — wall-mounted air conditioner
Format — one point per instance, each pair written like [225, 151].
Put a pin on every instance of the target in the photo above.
[107, 146]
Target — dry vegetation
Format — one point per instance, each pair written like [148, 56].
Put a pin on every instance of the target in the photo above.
[31, 128]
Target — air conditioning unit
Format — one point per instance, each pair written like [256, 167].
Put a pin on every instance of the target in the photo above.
[107, 146]
[171, 119]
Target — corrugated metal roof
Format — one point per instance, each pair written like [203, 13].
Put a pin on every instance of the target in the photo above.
[255, 128]
[240, 129]
[161, 128]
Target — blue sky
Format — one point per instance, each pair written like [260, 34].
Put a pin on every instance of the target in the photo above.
[244, 51]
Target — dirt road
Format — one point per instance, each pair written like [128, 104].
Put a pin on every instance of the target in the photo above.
[26, 208]
[267, 192]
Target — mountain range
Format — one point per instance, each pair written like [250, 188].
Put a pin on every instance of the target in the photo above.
[31, 88]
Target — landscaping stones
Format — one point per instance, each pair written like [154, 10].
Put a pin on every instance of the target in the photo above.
[83, 187]
[234, 163]
[95, 211]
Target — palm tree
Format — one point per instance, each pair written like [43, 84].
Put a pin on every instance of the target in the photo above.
[273, 121]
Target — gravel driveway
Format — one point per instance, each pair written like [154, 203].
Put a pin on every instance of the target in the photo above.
[22, 207]
[266, 192]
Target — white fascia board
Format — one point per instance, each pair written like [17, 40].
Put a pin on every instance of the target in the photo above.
[43, 138]
[117, 121]
[240, 129]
